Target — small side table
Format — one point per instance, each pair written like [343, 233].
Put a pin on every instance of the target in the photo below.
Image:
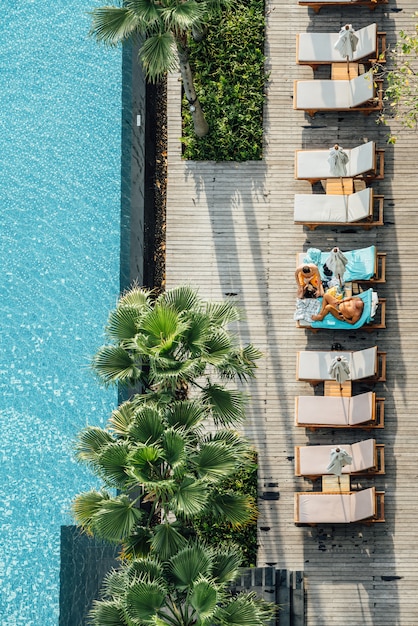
[331, 483]
[344, 71]
[339, 390]
[339, 186]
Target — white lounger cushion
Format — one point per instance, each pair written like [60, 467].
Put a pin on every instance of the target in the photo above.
[314, 163]
[333, 94]
[314, 364]
[323, 208]
[334, 411]
[314, 460]
[334, 508]
[319, 47]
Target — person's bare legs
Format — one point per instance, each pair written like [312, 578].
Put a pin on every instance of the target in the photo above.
[328, 305]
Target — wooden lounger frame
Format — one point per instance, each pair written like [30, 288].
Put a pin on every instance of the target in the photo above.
[376, 173]
[375, 324]
[377, 470]
[379, 58]
[317, 5]
[378, 517]
[373, 104]
[375, 218]
[379, 376]
[379, 276]
[377, 419]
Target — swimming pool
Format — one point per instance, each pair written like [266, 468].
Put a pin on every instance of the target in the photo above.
[60, 161]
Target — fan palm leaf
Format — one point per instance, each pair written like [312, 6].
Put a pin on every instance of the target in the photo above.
[114, 584]
[113, 25]
[149, 569]
[227, 405]
[222, 313]
[204, 598]
[214, 461]
[144, 599]
[187, 414]
[113, 462]
[236, 509]
[86, 505]
[174, 446]
[113, 364]
[158, 55]
[164, 328]
[189, 564]
[107, 613]
[167, 541]
[121, 419]
[138, 544]
[180, 299]
[179, 17]
[239, 363]
[136, 296]
[197, 335]
[217, 347]
[90, 443]
[116, 518]
[170, 371]
[145, 462]
[147, 426]
[189, 497]
[226, 562]
[122, 324]
[245, 609]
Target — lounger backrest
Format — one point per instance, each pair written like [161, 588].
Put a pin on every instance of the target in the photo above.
[322, 208]
[362, 504]
[361, 89]
[361, 408]
[326, 410]
[317, 508]
[363, 455]
[364, 363]
[319, 47]
[362, 159]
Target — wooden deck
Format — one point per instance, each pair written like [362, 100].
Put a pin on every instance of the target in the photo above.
[230, 231]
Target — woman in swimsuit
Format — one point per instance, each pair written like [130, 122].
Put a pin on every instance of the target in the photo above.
[347, 310]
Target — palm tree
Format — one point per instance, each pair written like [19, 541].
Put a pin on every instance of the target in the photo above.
[176, 341]
[162, 457]
[187, 588]
[161, 27]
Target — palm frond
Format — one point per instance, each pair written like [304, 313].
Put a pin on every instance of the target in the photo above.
[121, 419]
[122, 324]
[189, 564]
[173, 444]
[163, 328]
[245, 609]
[197, 335]
[113, 364]
[114, 584]
[144, 599]
[147, 11]
[239, 363]
[181, 299]
[228, 406]
[190, 497]
[215, 461]
[226, 562]
[137, 297]
[187, 414]
[218, 346]
[147, 426]
[148, 569]
[170, 371]
[145, 462]
[204, 597]
[116, 519]
[180, 17]
[222, 313]
[106, 613]
[113, 25]
[86, 505]
[138, 544]
[234, 508]
[158, 56]
[167, 541]
[113, 462]
[90, 443]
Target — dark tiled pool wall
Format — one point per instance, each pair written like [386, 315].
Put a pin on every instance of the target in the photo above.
[84, 563]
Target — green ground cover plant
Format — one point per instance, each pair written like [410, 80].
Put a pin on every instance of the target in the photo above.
[228, 66]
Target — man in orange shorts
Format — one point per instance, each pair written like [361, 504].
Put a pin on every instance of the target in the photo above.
[347, 310]
[309, 281]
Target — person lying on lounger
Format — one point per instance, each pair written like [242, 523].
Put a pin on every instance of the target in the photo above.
[309, 281]
[347, 310]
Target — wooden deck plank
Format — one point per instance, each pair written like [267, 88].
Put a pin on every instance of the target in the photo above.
[230, 230]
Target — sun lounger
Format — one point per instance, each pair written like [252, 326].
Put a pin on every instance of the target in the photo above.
[319, 48]
[365, 161]
[316, 5]
[364, 264]
[313, 365]
[362, 209]
[368, 458]
[363, 411]
[373, 316]
[339, 508]
[363, 93]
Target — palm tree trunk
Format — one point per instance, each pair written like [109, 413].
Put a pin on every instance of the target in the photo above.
[201, 127]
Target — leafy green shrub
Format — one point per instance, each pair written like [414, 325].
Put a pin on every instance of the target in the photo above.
[245, 482]
[230, 82]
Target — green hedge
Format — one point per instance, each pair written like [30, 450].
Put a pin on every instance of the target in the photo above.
[228, 66]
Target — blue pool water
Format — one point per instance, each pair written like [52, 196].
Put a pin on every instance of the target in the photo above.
[60, 110]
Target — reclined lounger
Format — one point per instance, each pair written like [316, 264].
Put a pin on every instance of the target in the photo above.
[313, 365]
[362, 209]
[368, 459]
[313, 508]
[363, 93]
[365, 161]
[364, 264]
[373, 316]
[319, 48]
[363, 411]
[316, 5]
